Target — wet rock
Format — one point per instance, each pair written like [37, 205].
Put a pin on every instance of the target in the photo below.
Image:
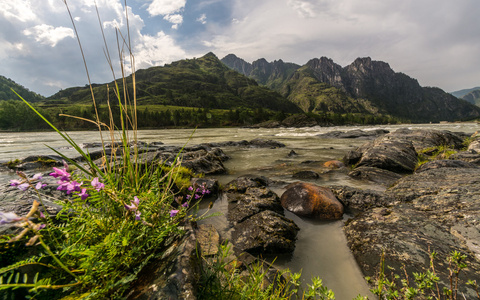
[334, 164]
[353, 134]
[202, 162]
[309, 200]
[263, 143]
[35, 162]
[265, 232]
[253, 201]
[292, 153]
[352, 157]
[241, 183]
[445, 163]
[306, 175]
[377, 175]
[355, 199]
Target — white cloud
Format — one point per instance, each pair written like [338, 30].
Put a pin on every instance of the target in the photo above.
[202, 19]
[303, 8]
[165, 7]
[156, 50]
[20, 10]
[49, 35]
[175, 19]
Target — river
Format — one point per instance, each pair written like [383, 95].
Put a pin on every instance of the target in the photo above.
[321, 248]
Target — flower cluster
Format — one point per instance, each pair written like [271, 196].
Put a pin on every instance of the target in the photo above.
[199, 192]
[25, 183]
[65, 182]
[134, 207]
[24, 222]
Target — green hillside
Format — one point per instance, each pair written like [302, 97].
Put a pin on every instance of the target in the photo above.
[203, 83]
[6, 84]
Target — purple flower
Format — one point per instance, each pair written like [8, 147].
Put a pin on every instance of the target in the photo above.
[37, 176]
[8, 217]
[40, 185]
[62, 185]
[190, 188]
[62, 174]
[73, 187]
[15, 182]
[137, 215]
[197, 196]
[97, 184]
[83, 195]
[188, 197]
[185, 204]
[24, 186]
[173, 212]
[134, 204]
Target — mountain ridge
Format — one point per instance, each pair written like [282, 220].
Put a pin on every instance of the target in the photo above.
[366, 85]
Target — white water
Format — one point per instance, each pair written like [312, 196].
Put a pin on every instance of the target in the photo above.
[321, 248]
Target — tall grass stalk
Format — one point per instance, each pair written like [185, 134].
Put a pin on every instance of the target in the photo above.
[120, 215]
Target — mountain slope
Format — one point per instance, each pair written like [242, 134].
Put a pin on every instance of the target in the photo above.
[365, 86]
[204, 82]
[473, 97]
[6, 93]
[461, 93]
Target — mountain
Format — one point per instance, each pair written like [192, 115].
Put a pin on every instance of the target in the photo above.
[365, 86]
[473, 97]
[461, 93]
[200, 82]
[6, 84]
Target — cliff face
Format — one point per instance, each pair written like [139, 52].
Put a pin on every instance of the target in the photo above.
[364, 86]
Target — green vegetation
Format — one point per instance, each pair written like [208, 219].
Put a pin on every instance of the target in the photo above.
[6, 93]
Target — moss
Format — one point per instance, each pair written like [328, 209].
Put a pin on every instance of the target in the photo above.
[13, 163]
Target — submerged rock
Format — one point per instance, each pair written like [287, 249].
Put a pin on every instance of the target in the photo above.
[309, 200]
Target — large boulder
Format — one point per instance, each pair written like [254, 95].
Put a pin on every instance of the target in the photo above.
[309, 200]
[389, 154]
[377, 175]
[425, 138]
[436, 209]
[257, 218]
[265, 233]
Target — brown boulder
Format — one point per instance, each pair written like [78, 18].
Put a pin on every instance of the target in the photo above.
[309, 200]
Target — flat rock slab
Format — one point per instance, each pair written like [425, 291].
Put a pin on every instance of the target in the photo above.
[434, 210]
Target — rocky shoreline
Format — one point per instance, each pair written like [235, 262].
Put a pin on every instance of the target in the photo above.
[434, 206]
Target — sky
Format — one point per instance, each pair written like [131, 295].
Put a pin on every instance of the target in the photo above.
[436, 42]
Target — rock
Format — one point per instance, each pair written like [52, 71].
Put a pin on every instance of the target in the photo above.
[306, 175]
[299, 120]
[333, 164]
[437, 209]
[262, 143]
[292, 153]
[209, 183]
[241, 184]
[425, 138]
[208, 239]
[353, 134]
[264, 233]
[352, 157]
[381, 176]
[395, 155]
[309, 200]
[202, 162]
[174, 275]
[354, 199]
[253, 201]
[444, 163]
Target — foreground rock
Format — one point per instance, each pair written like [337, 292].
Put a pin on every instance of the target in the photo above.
[256, 215]
[353, 134]
[436, 209]
[309, 200]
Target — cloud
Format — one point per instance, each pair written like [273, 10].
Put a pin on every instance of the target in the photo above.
[202, 19]
[49, 35]
[303, 8]
[165, 7]
[20, 10]
[156, 50]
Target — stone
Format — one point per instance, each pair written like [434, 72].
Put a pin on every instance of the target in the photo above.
[334, 164]
[377, 175]
[265, 233]
[309, 200]
[208, 239]
[306, 175]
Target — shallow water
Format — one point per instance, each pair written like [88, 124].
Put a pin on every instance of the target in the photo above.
[321, 248]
